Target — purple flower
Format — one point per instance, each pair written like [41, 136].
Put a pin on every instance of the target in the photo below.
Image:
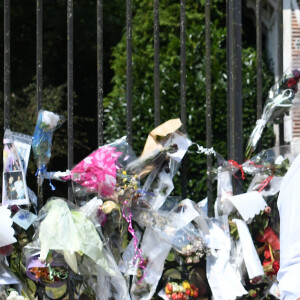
[296, 74]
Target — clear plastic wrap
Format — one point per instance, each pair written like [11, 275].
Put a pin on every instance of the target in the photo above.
[109, 285]
[278, 103]
[157, 147]
[175, 226]
[155, 251]
[126, 264]
[266, 185]
[47, 123]
[223, 278]
[70, 232]
[98, 172]
[223, 206]
[14, 188]
[274, 161]
[23, 144]
[160, 160]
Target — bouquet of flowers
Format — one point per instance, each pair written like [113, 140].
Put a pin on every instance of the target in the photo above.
[98, 173]
[279, 102]
[47, 123]
[68, 231]
[182, 291]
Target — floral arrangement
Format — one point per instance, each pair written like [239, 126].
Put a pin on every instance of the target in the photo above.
[194, 251]
[278, 103]
[130, 228]
[183, 290]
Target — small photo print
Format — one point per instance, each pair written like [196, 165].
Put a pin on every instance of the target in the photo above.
[11, 158]
[14, 186]
[24, 152]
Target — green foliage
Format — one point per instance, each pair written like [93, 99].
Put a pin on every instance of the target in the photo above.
[143, 103]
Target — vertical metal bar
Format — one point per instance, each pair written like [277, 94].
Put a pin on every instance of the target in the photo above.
[129, 70]
[183, 64]
[70, 89]
[258, 13]
[183, 88]
[39, 90]
[39, 53]
[39, 84]
[234, 66]
[70, 81]
[6, 64]
[280, 59]
[208, 105]
[100, 70]
[156, 65]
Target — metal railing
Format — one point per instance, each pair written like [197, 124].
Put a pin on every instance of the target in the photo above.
[234, 71]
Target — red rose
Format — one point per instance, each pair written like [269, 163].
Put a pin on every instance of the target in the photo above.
[292, 82]
[276, 266]
[174, 296]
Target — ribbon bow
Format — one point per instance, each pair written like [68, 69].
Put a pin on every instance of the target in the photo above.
[43, 171]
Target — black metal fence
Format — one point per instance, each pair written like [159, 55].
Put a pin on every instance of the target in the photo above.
[234, 71]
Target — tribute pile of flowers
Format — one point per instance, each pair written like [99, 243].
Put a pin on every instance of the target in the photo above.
[132, 239]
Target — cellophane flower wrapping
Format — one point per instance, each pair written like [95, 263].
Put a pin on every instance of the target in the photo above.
[52, 273]
[278, 103]
[98, 172]
[111, 284]
[47, 123]
[274, 161]
[70, 232]
[159, 166]
[155, 251]
[224, 191]
[175, 226]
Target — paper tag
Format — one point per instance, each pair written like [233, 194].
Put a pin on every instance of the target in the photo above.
[249, 204]
[274, 290]
[24, 218]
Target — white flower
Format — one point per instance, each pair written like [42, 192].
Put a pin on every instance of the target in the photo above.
[14, 296]
[279, 160]
[50, 118]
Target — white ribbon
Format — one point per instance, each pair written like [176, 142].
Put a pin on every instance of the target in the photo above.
[206, 151]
